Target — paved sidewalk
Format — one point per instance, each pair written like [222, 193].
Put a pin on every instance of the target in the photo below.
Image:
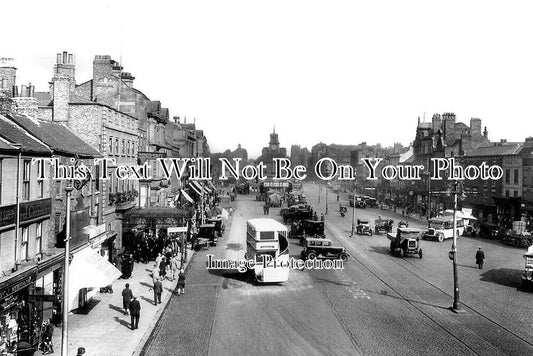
[104, 329]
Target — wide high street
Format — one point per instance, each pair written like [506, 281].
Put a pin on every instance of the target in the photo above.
[379, 304]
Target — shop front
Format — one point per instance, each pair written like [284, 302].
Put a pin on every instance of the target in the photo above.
[20, 315]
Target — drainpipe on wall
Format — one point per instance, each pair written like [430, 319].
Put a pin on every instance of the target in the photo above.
[17, 213]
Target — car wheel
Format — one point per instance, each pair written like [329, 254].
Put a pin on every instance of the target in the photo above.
[420, 253]
[441, 237]
[343, 257]
[311, 255]
[392, 246]
[424, 237]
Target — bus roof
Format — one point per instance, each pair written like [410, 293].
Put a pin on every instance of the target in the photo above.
[265, 224]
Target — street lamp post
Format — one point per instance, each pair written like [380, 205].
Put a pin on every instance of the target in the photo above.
[64, 299]
[353, 213]
[326, 199]
[456, 307]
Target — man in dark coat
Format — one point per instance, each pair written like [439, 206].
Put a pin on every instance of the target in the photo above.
[480, 257]
[135, 311]
[127, 296]
[158, 289]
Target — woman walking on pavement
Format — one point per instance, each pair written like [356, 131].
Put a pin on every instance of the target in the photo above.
[181, 282]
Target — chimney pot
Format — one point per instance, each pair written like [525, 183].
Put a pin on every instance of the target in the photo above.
[70, 59]
[64, 57]
[58, 58]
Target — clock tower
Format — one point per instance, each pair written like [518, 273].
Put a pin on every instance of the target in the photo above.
[274, 141]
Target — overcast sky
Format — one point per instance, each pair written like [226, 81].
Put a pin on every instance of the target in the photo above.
[320, 71]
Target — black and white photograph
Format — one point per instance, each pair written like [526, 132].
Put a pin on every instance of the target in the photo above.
[243, 177]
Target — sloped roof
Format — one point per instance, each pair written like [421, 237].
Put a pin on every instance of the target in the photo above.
[497, 150]
[13, 133]
[43, 98]
[57, 136]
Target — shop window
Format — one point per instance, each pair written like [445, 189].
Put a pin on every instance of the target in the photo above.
[38, 238]
[24, 244]
[26, 180]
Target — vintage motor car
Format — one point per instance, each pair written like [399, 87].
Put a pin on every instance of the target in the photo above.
[383, 225]
[359, 201]
[405, 241]
[363, 228]
[489, 231]
[527, 275]
[206, 236]
[311, 228]
[297, 212]
[343, 210]
[219, 225]
[322, 248]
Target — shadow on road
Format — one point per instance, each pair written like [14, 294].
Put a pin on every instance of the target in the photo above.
[233, 246]
[122, 322]
[466, 266]
[384, 293]
[232, 274]
[115, 308]
[503, 276]
[88, 307]
[380, 249]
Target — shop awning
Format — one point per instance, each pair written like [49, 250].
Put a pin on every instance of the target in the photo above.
[89, 269]
[195, 186]
[185, 195]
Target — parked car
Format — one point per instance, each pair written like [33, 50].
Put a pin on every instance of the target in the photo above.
[322, 248]
[527, 275]
[490, 231]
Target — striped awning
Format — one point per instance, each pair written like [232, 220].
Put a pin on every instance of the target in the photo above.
[185, 195]
[194, 185]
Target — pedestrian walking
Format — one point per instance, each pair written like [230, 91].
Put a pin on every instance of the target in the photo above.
[322, 217]
[181, 282]
[174, 266]
[158, 259]
[155, 273]
[135, 311]
[127, 296]
[480, 257]
[158, 289]
[163, 268]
